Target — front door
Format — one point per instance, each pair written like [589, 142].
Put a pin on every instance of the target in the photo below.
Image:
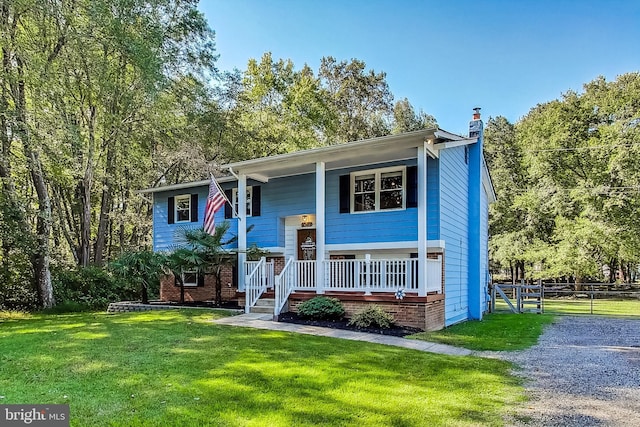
[307, 244]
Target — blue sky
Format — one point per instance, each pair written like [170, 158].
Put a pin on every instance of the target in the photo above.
[445, 56]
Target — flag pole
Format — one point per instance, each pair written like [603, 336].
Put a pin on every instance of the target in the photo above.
[223, 194]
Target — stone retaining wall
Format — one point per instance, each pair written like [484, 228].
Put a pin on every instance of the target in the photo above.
[128, 306]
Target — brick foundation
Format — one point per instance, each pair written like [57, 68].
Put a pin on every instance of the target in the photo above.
[417, 312]
[170, 292]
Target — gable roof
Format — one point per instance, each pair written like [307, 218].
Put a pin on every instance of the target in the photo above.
[351, 154]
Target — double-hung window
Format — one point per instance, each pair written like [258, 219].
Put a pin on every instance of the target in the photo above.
[249, 200]
[190, 278]
[378, 190]
[183, 208]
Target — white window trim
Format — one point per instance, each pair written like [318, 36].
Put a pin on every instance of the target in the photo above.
[188, 197]
[190, 284]
[234, 200]
[377, 174]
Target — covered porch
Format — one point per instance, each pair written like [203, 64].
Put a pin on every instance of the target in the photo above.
[398, 277]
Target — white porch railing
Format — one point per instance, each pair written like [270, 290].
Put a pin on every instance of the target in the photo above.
[256, 282]
[285, 282]
[355, 275]
[305, 274]
[269, 273]
[386, 275]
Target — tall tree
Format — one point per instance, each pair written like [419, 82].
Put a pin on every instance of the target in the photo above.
[360, 100]
[406, 119]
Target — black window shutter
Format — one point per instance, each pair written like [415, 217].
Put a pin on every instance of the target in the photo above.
[176, 282]
[194, 208]
[255, 201]
[200, 279]
[345, 197]
[171, 210]
[412, 186]
[228, 212]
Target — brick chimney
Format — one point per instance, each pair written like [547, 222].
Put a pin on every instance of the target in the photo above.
[475, 125]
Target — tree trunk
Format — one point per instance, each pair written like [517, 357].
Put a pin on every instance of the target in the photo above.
[41, 257]
[105, 208]
[513, 277]
[85, 194]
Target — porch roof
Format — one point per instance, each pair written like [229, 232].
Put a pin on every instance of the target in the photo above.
[369, 151]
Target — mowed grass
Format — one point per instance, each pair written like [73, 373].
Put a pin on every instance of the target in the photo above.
[626, 308]
[599, 307]
[495, 332]
[176, 368]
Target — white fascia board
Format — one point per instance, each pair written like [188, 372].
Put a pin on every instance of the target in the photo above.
[487, 184]
[194, 184]
[258, 177]
[443, 134]
[326, 153]
[432, 245]
[457, 143]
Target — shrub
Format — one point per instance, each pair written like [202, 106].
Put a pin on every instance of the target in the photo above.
[90, 287]
[372, 315]
[321, 308]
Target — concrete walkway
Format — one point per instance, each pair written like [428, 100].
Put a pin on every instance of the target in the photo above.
[263, 321]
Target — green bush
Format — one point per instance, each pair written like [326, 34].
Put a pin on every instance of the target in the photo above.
[372, 315]
[17, 290]
[67, 307]
[90, 287]
[321, 308]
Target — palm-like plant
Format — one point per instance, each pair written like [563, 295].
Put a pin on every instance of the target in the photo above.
[142, 268]
[204, 253]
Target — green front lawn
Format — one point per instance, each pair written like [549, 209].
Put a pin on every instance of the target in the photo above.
[497, 332]
[172, 368]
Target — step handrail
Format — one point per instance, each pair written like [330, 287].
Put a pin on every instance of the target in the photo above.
[255, 285]
[284, 283]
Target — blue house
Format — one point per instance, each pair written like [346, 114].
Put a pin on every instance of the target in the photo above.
[400, 221]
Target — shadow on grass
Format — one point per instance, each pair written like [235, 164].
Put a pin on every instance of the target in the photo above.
[178, 368]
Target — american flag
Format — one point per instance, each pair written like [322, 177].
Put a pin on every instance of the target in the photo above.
[215, 200]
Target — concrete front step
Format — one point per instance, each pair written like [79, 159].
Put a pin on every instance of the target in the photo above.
[266, 302]
[262, 309]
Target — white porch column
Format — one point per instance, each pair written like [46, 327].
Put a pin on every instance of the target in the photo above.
[320, 224]
[422, 221]
[242, 229]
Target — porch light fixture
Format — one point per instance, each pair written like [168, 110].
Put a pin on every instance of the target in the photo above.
[305, 221]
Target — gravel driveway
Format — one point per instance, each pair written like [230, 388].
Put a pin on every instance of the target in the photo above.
[585, 371]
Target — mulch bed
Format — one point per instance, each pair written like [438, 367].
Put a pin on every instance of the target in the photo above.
[396, 331]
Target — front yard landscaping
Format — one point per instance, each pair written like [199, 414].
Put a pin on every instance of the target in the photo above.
[496, 332]
[173, 368]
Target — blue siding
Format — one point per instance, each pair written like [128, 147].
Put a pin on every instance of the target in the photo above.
[454, 230]
[394, 226]
[281, 197]
[295, 195]
[484, 248]
[164, 234]
[433, 199]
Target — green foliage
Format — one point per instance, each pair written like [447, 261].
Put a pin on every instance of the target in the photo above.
[495, 332]
[321, 308]
[68, 307]
[143, 268]
[202, 252]
[141, 360]
[566, 177]
[372, 316]
[90, 287]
